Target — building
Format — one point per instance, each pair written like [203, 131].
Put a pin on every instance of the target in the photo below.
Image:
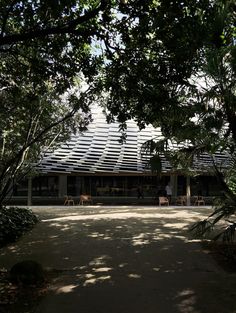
[96, 163]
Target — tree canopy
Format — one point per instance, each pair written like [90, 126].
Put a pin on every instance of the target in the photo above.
[174, 67]
[167, 63]
[47, 70]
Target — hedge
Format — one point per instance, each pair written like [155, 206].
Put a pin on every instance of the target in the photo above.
[14, 222]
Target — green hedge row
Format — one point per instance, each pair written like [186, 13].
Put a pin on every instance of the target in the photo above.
[14, 222]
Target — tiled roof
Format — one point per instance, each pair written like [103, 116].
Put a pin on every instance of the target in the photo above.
[98, 151]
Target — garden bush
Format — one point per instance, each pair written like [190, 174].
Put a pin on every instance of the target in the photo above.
[14, 222]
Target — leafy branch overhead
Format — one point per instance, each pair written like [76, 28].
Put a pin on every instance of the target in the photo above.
[48, 18]
[166, 63]
[176, 70]
[47, 72]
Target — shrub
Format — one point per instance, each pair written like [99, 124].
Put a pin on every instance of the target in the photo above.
[14, 222]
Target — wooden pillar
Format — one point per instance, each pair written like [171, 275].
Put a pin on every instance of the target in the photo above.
[174, 182]
[77, 185]
[90, 185]
[124, 186]
[29, 195]
[62, 190]
[188, 190]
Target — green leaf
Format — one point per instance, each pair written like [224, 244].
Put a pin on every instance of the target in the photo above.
[155, 164]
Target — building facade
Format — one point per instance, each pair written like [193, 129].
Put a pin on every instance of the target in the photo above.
[96, 163]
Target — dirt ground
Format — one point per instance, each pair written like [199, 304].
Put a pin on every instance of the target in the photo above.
[123, 259]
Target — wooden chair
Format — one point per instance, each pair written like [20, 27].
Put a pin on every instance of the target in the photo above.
[85, 198]
[181, 200]
[194, 199]
[163, 200]
[69, 201]
[199, 201]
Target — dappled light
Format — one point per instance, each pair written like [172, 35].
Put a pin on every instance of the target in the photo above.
[100, 260]
[102, 269]
[187, 300]
[120, 259]
[119, 215]
[65, 289]
[96, 280]
[134, 276]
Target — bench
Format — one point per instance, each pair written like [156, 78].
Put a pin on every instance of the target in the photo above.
[163, 200]
[69, 200]
[181, 200]
[199, 201]
[85, 198]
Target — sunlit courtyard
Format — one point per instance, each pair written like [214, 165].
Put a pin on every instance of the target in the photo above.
[124, 259]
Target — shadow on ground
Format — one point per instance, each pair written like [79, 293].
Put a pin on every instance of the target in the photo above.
[125, 260]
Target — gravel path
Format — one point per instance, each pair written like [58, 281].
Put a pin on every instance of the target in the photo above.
[124, 259]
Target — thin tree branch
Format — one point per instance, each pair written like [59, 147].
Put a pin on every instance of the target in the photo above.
[19, 154]
[5, 18]
[67, 28]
